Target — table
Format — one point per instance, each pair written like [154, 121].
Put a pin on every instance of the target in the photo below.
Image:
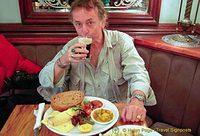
[22, 120]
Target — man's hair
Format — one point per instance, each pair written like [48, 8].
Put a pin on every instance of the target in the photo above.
[98, 4]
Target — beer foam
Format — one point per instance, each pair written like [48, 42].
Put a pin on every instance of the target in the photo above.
[85, 40]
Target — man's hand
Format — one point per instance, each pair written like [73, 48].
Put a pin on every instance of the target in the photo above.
[76, 53]
[134, 111]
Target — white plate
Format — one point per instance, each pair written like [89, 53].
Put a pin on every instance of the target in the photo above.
[141, 129]
[97, 128]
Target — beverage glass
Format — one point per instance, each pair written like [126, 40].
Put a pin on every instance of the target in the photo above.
[86, 40]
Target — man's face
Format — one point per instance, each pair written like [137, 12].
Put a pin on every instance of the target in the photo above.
[87, 22]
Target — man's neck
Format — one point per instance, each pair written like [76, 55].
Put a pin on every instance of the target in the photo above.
[99, 42]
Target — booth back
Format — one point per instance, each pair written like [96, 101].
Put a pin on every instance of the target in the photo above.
[176, 82]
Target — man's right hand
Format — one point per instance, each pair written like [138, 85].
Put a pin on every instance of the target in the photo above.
[76, 53]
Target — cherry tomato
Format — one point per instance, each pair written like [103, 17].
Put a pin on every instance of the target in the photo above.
[96, 104]
[88, 111]
[87, 106]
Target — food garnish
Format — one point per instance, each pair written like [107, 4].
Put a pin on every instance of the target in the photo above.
[81, 118]
[84, 111]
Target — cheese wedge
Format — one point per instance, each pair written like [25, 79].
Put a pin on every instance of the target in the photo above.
[59, 119]
[65, 127]
[71, 112]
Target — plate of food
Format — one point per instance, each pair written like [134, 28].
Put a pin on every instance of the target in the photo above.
[70, 114]
[131, 130]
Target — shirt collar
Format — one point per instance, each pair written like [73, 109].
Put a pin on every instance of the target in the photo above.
[108, 41]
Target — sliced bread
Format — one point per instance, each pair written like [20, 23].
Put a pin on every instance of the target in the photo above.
[62, 101]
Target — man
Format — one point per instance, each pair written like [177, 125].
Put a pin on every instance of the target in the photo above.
[113, 60]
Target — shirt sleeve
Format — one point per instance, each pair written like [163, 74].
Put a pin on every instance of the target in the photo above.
[134, 70]
[46, 76]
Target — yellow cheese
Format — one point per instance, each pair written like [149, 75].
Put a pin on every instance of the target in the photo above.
[71, 112]
[65, 127]
[60, 121]
[57, 118]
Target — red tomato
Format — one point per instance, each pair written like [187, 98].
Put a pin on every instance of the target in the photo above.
[96, 104]
[88, 111]
[87, 106]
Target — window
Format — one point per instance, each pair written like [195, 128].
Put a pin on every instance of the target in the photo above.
[120, 12]
[113, 6]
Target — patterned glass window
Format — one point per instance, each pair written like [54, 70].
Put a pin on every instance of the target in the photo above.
[112, 6]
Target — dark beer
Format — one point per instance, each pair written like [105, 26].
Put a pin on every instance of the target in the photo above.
[88, 48]
[86, 40]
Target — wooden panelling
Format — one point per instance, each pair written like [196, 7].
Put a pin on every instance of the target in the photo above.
[64, 30]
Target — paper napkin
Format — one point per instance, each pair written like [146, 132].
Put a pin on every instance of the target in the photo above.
[38, 113]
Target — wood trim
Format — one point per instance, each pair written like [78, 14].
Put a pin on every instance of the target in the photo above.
[30, 17]
[60, 34]
[39, 40]
[19, 29]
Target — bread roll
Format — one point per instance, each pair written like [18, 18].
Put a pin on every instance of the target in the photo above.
[62, 101]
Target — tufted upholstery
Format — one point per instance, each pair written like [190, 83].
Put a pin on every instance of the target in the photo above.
[175, 80]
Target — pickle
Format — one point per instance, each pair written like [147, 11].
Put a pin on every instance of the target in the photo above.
[84, 120]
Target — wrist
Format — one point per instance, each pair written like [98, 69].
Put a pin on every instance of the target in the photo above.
[136, 101]
[60, 64]
[137, 97]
